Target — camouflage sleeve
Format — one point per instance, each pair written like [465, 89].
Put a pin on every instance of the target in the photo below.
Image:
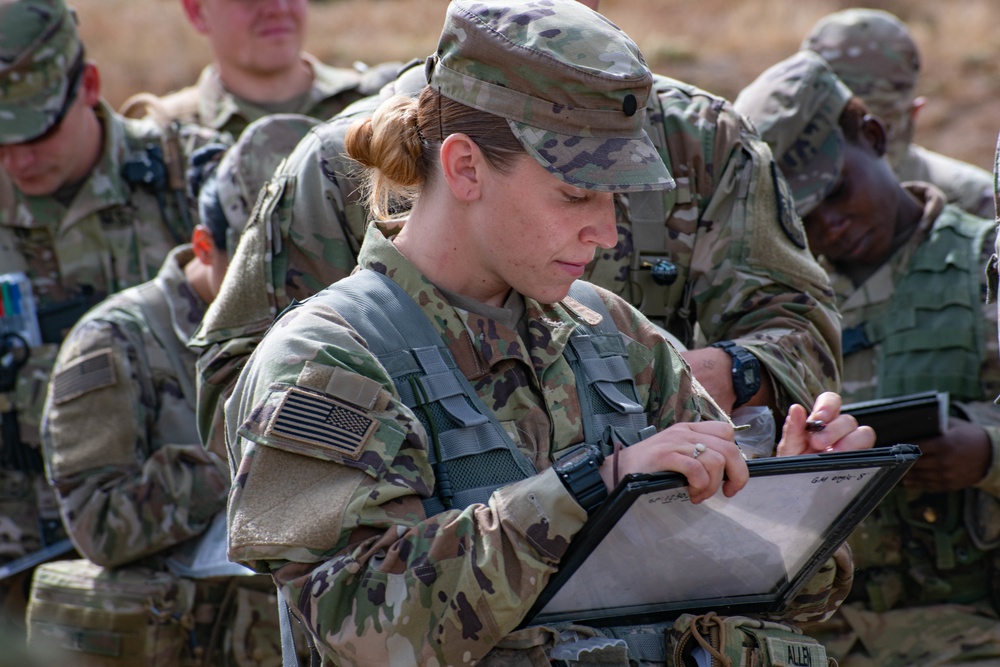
[342, 528]
[294, 246]
[755, 280]
[964, 185]
[122, 496]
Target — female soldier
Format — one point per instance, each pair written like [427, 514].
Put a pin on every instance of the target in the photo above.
[411, 514]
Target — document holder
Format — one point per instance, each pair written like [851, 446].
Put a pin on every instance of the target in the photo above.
[649, 554]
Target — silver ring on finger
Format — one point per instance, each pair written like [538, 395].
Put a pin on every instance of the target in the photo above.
[698, 449]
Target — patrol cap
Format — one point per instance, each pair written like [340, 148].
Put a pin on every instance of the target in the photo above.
[874, 55]
[253, 159]
[40, 60]
[796, 107]
[571, 84]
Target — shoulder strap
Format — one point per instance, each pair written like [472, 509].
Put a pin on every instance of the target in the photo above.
[149, 298]
[471, 453]
[609, 398]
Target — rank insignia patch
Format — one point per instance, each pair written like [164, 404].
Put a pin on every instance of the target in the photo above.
[322, 420]
[94, 371]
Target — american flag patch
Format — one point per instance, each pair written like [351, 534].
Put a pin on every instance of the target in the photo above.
[94, 371]
[321, 420]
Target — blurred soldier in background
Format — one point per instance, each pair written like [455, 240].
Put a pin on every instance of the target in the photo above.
[873, 53]
[258, 68]
[136, 489]
[722, 259]
[90, 203]
[908, 272]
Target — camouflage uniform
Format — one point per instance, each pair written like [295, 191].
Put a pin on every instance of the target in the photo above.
[927, 562]
[209, 104]
[374, 578]
[874, 54]
[744, 272]
[134, 483]
[370, 540]
[115, 231]
[137, 488]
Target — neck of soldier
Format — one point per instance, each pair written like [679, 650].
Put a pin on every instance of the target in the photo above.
[266, 87]
[437, 239]
[197, 276]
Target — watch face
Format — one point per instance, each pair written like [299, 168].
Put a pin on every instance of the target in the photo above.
[749, 377]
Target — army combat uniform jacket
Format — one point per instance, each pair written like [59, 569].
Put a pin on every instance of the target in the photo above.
[113, 233]
[744, 272]
[209, 104]
[965, 185]
[343, 529]
[920, 323]
[135, 486]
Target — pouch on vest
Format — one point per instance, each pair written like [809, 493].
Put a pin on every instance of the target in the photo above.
[736, 641]
[110, 618]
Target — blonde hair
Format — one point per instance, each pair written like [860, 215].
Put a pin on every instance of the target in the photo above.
[398, 145]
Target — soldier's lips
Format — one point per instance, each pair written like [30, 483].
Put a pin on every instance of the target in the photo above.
[575, 269]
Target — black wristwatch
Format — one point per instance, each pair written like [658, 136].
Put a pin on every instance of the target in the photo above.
[746, 371]
[580, 473]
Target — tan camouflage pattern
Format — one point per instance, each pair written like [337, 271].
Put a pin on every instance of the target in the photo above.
[928, 634]
[875, 56]
[248, 164]
[134, 483]
[751, 282]
[571, 85]
[209, 104]
[38, 47]
[965, 185]
[122, 451]
[109, 237]
[374, 580]
[796, 105]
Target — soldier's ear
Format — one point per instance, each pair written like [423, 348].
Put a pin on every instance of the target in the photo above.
[192, 9]
[873, 130]
[90, 85]
[202, 244]
[462, 165]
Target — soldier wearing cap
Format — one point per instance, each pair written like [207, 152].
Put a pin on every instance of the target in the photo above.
[875, 56]
[720, 259]
[135, 487]
[908, 272]
[90, 203]
[258, 68]
[531, 123]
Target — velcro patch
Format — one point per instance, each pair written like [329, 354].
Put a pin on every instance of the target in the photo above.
[93, 371]
[321, 420]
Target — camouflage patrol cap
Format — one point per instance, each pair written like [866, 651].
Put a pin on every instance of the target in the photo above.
[253, 159]
[571, 84]
[39, 48]
[875, 56]
[796, 107]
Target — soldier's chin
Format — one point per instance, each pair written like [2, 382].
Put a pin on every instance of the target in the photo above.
[42, 185]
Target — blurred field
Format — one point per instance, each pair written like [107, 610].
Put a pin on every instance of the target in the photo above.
[719, 45]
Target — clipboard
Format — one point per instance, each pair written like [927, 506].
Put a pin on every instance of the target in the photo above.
[649, 554]
[903, 418]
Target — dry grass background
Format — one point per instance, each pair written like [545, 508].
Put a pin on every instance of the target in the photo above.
[719, 45]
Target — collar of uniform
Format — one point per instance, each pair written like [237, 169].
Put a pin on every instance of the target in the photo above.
[186, 307]
[476, 341]
[216, 105]
[329, 81]
[103, 187]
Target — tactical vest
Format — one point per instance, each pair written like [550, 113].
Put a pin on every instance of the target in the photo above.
[470, 452]
[931, 338]
[915, 548]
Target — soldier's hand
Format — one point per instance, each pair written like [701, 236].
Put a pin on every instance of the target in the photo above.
[955, 460]
[704, 452]
[839, 433]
